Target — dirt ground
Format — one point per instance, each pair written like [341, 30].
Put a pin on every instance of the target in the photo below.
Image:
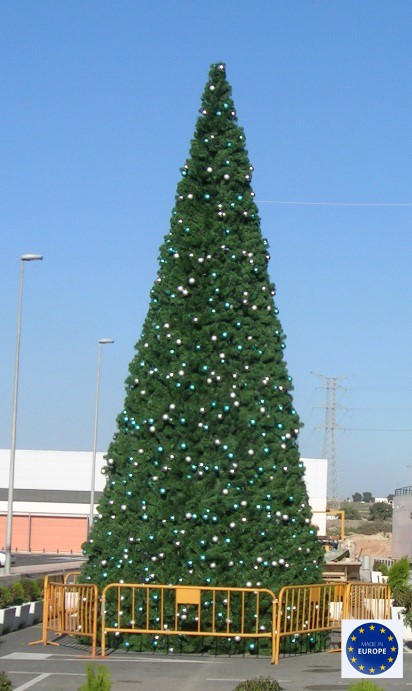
[379, 545]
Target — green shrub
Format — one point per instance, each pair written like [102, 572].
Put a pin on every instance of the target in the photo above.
[408, 617]
[98, 679]
[5, 597]
[17, 592]
[26, 590]
[5, 683]
[352, 512]
[380, 511]
[381, 567]
[373, 527]
[365, 685]
[36, 590]
[40, 583]
[258, 684]
[31, 589]
[399, 573]
[402, 596]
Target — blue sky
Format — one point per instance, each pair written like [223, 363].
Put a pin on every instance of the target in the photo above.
[99, 102]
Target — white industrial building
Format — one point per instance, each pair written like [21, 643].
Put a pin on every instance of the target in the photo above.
[51, 494]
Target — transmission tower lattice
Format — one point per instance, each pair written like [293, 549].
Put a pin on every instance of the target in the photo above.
[329, 440]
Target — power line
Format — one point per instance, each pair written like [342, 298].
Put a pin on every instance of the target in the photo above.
[370, 429]
[303, 203]
[384, 410]
[387, 388]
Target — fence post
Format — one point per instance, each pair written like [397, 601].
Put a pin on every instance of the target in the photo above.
[45, 609]
[275, 634]
[103, 626]
[276, 647]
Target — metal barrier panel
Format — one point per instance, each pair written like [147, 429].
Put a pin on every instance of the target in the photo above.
[368, 601]
[304, 609]
[55, 577]
[315, 608]
[130, 608]
[70, 609]
[71, 577]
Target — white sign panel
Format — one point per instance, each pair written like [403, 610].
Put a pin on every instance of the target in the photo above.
[372, 648]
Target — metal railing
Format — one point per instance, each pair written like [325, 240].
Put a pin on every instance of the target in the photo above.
[311, 609]
[368, 601]
[70, 578]
[220, 612]
[69, 609]
[130, 608]
[305, 609]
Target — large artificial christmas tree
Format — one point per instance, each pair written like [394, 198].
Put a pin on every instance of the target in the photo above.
[204, 480]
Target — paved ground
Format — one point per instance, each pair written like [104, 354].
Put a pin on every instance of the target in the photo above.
[39, 564]
[26, 559]
[61, 668]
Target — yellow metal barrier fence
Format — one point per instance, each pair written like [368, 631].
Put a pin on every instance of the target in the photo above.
[130, 608]
[368, 601]
[70, 609]
[304, 609]
[71, 577]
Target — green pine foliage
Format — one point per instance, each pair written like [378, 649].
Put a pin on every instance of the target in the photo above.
[204, 480]
[97, 679]
[259, 684]
[31, 589]
[365, 685]
[6, 598]
[5, 682]
[399, 573]
[17, 592]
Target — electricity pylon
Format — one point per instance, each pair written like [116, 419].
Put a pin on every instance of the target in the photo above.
[329, 440]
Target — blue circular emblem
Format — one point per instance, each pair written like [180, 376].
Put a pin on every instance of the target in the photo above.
[371, 648]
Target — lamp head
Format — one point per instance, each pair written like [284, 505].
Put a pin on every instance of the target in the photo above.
[31, 257]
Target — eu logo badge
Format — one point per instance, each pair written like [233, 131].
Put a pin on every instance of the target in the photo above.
[372, 648]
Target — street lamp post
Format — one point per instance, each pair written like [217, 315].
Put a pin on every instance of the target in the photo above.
[102, 341]
[24, 258]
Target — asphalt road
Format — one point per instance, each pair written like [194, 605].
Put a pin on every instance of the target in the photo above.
[53, 668]
[31, 559]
